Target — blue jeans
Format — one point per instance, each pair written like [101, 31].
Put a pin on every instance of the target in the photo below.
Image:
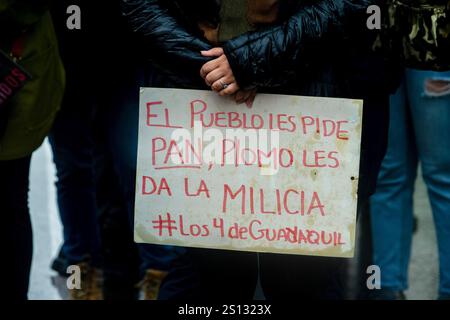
[419, 131]
[72, 147]
[123, 120]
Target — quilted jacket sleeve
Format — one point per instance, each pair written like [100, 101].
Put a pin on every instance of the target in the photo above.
[167, 41]
[272, 56]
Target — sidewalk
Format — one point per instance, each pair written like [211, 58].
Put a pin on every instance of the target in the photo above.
[424, 268]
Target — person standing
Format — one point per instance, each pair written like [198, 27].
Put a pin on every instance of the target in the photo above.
[27, 35]
[419, 133]
[92, 155]
[238, 48]
[73, 152]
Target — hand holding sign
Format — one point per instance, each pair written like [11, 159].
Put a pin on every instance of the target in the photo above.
[218, 75]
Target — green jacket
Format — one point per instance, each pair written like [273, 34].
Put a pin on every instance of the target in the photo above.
[34, 108]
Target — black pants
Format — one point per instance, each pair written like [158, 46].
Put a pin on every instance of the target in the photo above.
[14, 210]
[119, 252]
[219, 275]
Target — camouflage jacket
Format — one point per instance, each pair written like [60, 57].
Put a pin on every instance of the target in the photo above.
[422, 28]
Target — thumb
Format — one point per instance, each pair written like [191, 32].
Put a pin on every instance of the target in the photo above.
[214, 52]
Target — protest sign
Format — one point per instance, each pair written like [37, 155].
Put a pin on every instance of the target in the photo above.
[280, 177]
[12, 78]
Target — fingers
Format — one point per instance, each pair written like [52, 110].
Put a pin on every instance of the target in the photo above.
[245, 96]
[219, 84]
[241, 96]
[214, 52]
[209, 66]
[251, 99]
[213, 64]
[214, 76]
[218, 75]
[231, 89]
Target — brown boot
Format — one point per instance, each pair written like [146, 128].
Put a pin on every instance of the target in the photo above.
[91, 284]
[151, 283]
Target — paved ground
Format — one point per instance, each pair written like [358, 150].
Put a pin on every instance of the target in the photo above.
[47, 236]
[424, 267]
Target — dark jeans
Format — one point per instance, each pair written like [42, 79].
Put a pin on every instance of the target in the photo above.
[14, 185]
[121, 120]
[219, 275]
[71, 141]
[119, 252]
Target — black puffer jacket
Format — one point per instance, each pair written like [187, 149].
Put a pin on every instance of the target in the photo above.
[312, 37]
[318, 48]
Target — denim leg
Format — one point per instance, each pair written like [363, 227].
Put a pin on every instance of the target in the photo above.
[211, 275]
[391, 205]
[72, 147]
[124, 120]
[431, 118]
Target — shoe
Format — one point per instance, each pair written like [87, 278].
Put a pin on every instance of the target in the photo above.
[90, 283]
[387, 294]
[151, 283]
[60, 264]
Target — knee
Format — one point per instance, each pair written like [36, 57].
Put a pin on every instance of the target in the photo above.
[437, 172]
[400, 174]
